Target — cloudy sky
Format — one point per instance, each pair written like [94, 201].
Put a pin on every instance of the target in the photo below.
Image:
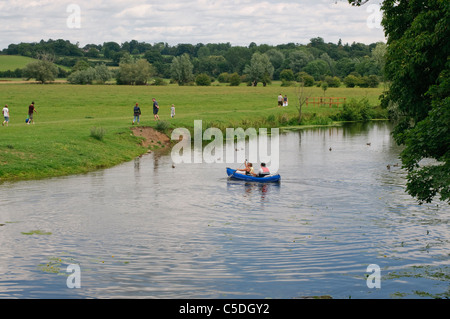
[239, 22]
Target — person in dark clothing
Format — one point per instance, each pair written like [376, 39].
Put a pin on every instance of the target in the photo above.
[137, 113]
[155, 109]
[31, 111]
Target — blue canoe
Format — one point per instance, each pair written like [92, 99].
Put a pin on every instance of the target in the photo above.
[268, 179]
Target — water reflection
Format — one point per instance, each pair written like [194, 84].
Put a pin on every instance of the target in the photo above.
[149, 229]
[250, 190]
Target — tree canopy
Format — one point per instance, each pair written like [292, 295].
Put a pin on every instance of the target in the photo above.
[417, 64]
[212, 59]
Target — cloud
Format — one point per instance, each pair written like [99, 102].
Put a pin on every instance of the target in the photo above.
[239, 22]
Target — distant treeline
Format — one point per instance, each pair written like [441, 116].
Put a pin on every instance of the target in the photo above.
[317, 58]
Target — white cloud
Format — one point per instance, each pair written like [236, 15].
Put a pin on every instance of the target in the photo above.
[187, 21]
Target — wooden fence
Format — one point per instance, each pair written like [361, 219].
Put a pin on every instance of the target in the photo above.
[325, 101]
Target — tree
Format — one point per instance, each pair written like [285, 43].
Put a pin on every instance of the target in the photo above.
[431, 138]
[317, 68]
[102, 73]
[260, 69]
[43, 70]
[324, 87]
[301, 98]
[298, 59]
[304, 77]
[346, 66]
[287, 75]
[379, 56]
[418, 68]
[110, 49]
[181, 69]
[211, 65]
[134, 72]
[81, 64]
[237, 58]
[276, 57]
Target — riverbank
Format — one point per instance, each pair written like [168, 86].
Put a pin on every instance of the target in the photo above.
[84, 128]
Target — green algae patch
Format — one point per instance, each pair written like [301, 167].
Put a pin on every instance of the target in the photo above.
[36, 232]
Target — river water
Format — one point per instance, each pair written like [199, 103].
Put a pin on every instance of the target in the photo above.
[145, 229]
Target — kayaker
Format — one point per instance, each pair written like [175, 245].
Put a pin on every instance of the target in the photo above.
[249, 170]
[263, 171]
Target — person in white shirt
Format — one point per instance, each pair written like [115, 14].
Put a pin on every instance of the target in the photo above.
[280, 100]
[5, 112]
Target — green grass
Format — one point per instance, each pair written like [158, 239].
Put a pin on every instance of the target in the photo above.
[61, 142]
[12, 62]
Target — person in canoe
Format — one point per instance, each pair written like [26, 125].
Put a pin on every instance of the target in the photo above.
[249, 170]
[263, 171]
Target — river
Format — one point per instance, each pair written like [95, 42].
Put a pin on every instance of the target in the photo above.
[146, 229]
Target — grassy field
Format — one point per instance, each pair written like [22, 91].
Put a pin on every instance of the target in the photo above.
[60, 143]
[12, 62]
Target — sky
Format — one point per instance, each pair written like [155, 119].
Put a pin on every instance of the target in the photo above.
[238, 22]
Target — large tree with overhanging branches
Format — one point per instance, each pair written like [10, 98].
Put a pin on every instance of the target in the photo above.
[418, 68]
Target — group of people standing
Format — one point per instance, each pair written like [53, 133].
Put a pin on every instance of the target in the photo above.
[137, 111]
[31, 111]
[282, 100]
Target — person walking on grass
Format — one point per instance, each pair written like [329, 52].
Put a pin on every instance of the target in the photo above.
[137, 113]
[31, 111]
[5, 112]
[172, 111]
[155, 109]
[285, 101]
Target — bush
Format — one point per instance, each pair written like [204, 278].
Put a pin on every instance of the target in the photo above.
[363, 82]
[203, 80]
[235, 79]
[287, 83]
[271, 118]
[351, 81]
[162, 126]
[333, 81]
[356, 110]
[304, 77]
[314, 119]
[223, 77]
[373, 81]
[159, 82]
[100, 74]
[82, 77]
[98, 133]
